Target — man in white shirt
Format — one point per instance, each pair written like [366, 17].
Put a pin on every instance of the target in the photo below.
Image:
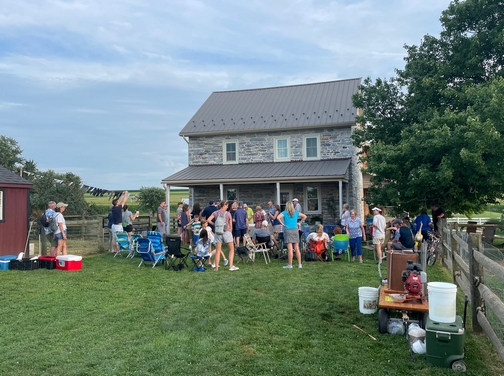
[297, 205]
[378, 232]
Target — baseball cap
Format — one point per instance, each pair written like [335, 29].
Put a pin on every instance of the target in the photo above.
[211, 202]
[240, 202]
[375, 208]
[61, 204]
[295, 199]
[265, 223]
[245, 205]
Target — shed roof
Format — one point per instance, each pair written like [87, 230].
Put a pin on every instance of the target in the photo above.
[254, 173]
[276, 108]
[8, 177]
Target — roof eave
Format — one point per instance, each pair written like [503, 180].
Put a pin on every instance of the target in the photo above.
[291, 179]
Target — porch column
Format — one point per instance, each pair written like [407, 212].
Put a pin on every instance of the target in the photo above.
[347, 193]
[340, 184]
[277, 193]
[167, 213]
[221, 189]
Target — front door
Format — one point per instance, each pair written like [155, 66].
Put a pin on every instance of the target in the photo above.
[285, 196]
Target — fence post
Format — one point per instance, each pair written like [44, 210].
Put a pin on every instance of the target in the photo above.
[454, 248]
[474, 279]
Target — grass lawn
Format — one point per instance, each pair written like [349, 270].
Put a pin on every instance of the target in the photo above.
[113, 318]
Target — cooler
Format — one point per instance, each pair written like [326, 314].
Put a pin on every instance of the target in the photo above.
[47, 262]
[4, 264]
[69, 262]
[445, 343]
[396, 263]
[8, 257]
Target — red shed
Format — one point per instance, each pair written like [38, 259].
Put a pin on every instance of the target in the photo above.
[14, 212]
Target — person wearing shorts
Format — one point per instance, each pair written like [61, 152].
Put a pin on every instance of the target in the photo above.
[226, 237]
[240, 219]
[378, 232]
[117, 205]
[289, 218]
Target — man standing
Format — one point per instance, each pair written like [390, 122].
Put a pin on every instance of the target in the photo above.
[117, 205]
[161, 218]
[437, 213]
[240, 219]
[378, 232]
[297, 206]
[208, 211]
[49, 213]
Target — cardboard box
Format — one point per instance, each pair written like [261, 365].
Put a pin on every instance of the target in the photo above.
[69, 262]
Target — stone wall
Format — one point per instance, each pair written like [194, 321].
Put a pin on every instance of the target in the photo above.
[259, 147]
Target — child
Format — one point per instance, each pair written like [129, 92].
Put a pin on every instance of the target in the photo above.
[204, 226]
[203, 246]
[196, 228]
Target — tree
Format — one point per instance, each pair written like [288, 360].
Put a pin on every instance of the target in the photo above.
[10, 154]
[150, 197]
[435, 131]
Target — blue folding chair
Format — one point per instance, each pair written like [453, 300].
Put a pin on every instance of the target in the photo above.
[124, 243]
[134, 245]
[147, 252]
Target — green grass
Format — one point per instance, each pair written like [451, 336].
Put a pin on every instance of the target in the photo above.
[113, 318]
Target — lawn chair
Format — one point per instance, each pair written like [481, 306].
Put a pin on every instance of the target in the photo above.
[134, 245]
[156, 240]
[257, 248]
[124, 243]
[177, 259]
[147, 252]
[340, 245]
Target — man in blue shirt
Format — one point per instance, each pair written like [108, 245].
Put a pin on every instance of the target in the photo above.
[240, 219]
[425, 220]
[49, 213]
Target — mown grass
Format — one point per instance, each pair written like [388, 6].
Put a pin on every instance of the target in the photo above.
[113, 318]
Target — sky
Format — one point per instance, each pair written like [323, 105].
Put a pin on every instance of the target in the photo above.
[102, 88]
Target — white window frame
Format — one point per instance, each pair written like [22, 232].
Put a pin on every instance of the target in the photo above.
[276, 158]
[224, 151]
[305, 156]
[1, 205]
[307, 199]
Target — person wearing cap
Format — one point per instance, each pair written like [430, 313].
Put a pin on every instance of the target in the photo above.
[406, 239]
[208, 211]
[262, 235]
[61, 233]
[250, 212]
[379, 224]
[297, 205]
[240, 220]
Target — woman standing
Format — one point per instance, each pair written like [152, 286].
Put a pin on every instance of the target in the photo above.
[196, 209]
[355, 229]
[128, 219]
[225, 237]
[289, 218]
[61, 233]
[185, 218]
[275, 222]
[345, 216]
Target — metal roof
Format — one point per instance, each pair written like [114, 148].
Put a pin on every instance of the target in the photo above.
[9, 177]
[254, 173]
[276, 108]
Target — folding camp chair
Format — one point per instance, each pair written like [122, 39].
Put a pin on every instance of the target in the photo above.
[156, 240]
[340, 244]
[147, 252]
[177, 259]
[257, 248]
[124, 243]
[134, 245]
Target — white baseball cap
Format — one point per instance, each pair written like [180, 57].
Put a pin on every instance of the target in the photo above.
[295, 199]
[375, 208]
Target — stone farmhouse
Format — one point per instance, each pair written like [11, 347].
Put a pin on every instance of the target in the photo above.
[277, 144]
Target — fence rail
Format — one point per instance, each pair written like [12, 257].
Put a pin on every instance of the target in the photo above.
[478, 276]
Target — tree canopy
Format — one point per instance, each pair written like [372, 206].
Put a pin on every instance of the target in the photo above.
[434, 132]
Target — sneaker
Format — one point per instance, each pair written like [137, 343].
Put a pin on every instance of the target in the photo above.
[300, 266]
[226, 261]
[201, 269]
[287, 267]
[190, 248]
[233, 268]
[360, 261]
[213, 266]
[353, 259]
[195, 269]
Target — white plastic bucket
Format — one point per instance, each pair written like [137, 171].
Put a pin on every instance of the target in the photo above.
[368, 300]
[442, 301]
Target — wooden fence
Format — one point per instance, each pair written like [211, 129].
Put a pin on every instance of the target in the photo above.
[478, 276]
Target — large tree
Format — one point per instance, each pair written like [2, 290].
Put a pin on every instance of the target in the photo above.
[435, 131]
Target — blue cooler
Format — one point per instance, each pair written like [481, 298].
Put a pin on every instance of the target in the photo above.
[5, 261]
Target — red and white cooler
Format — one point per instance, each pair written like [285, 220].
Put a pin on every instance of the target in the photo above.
[69, 262]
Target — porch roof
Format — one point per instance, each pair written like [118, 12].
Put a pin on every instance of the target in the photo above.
[251, 173]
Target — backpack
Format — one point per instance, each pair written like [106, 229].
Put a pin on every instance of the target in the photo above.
[44, 221]
[220, 224]
[53, 225]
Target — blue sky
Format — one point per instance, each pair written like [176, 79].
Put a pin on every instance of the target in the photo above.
[102, 88]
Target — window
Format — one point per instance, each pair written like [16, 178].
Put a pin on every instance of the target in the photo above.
[1, 206]
[313, 199]
[311, 147]
[282, 152]
[230, 152]
[231, 194]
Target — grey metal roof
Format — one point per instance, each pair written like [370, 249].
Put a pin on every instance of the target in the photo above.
[8, 177]
[276, 108]
[313, 171]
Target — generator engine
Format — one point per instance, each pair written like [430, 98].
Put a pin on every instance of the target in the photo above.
[412, 279]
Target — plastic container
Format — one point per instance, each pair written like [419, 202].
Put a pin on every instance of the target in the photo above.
[4, 264]
[24, 264]
[69, 262]
[442, 301]
[47, 262]
[368, 300]
[8, 257]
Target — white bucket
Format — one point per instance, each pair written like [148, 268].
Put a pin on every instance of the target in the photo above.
[442, 301]
[368, 300]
